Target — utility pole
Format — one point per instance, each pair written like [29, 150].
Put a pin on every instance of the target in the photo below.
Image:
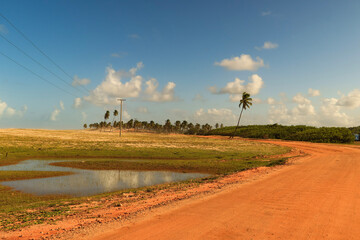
[121, 103]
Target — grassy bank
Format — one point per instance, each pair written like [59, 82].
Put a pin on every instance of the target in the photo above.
[105, 150]
[296, 133]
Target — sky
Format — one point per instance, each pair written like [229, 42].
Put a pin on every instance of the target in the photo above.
[179, 60]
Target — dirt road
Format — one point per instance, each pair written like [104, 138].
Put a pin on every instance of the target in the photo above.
[318, 197]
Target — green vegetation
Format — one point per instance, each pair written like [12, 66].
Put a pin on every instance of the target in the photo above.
[218, 166]
[297, 133]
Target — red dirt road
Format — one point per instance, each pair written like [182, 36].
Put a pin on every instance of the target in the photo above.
[318, 197]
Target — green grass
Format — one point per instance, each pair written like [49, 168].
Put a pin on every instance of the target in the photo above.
[216, 166]
[104, 150]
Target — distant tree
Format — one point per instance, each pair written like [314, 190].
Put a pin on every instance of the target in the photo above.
[221, 125]
[106, 117]
[115, 113]
[216, 125]
[184, 126]
[177, 126]
[167, 126]
[245, 102]
[85, 126]
[130, 123]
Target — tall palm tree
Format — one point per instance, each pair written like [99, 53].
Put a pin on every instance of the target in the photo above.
[106, 116]
[245, 103]
[114, 116]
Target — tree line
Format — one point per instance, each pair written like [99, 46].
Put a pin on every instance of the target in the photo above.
[178, 126]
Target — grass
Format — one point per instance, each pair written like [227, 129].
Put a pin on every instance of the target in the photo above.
[105, 150]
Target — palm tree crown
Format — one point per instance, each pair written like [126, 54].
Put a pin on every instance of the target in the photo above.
[245, 102]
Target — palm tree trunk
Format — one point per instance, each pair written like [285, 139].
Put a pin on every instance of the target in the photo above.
[232, 136]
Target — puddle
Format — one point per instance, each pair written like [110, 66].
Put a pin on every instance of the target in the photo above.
[88, 182]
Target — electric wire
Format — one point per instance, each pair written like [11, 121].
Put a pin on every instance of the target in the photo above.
[23, 52]
[19, 64]
[35, 46]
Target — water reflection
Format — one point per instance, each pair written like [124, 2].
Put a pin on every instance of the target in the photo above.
[88, 182]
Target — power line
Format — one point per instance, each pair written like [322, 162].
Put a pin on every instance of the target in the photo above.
[36, 74]
[34, 45]
[23, 52]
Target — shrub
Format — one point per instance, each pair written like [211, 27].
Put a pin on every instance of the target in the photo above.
[298, 133]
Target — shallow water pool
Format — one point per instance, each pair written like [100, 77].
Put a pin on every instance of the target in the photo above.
[88, 182]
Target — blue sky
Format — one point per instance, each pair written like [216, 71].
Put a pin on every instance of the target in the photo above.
[180, 60]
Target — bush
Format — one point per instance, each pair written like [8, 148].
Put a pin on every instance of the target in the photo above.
[298, 133]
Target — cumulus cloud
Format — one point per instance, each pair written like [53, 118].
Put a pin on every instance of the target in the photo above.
[242, 63]
[268, 45]
[166, 95]
[126, 116]
[270, 101]
[80, 81]
[7, 111]
[299, 98]
[329, 113]
[114, 86]
[54, 114]
[62, 105]
[77, 102]
[313, 92]
[237, 87]
[214, 115]
[352, 100]
[303, 113]
[332, 115]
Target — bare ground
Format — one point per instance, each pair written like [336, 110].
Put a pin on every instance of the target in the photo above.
[315, 198]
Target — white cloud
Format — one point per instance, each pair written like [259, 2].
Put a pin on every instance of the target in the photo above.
[331, 114]
[166, 95]
[3, 106]
[10, 111]
[80, 81]
[237, 87]
[265, 13]
[313, 92]
[352, 100]
[126, 116]
[142, 110]
[62, 105]
[268, 45]
[299, 98]
[77, 102]
[270, 101]
[7, 111]
[242, 63]
[54, 115]
[113, 86]
[214, 115]
[303, 113]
